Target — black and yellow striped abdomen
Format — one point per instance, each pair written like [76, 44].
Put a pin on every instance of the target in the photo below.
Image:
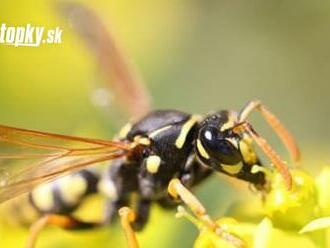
[65, 194]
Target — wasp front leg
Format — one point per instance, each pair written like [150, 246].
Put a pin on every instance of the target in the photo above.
[177, 189]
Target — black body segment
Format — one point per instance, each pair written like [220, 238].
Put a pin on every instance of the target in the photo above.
[156, 120]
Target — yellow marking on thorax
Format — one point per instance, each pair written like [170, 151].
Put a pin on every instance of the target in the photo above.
[153, 163]
[158, 131]
[201, 149]
[185, 130]
[232, 117]
[43, 197]
[232, 169]
[125, 130]
[142, 140]
[72, 188]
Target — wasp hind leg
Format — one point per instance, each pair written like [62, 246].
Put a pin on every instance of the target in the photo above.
[62, 221]
[177, 190]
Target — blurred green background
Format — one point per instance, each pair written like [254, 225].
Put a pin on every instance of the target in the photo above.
[195, 56]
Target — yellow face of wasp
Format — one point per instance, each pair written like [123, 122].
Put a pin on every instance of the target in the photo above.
[247, 151]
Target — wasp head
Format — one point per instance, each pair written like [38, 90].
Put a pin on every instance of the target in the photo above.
[216, 143]
[219, 146]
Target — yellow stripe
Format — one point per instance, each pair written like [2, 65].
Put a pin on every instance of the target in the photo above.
[232, 169]
[185, 130]
[108, 188]
[125, 130]
[43, 197]
[231, 121]
[72, 188]
[247, 152]
[158, 131]
[142, 140]
[201, 149]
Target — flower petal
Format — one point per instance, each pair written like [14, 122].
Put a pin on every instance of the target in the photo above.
[316, 224]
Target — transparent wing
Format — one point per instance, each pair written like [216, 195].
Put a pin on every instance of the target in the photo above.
[29, 158]
[120, 73]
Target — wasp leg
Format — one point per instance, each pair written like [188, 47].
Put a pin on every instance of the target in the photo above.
[177, 189]
[132, 222]
[65, 222]
[275, 123]
[167, 203]
[142, 214]
[127, 217]
[112, 207]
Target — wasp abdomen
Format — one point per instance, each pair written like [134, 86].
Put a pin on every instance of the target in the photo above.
[64, 195]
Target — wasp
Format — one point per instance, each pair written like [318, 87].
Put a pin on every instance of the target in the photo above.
[159, 157]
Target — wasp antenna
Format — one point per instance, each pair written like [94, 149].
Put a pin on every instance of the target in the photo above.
[283, 133]
[270, 152]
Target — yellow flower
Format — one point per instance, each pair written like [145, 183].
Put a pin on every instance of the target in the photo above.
[323, 187]
[260, 235]
[295, 218]
[292, 209]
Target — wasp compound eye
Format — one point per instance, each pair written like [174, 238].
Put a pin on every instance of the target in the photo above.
[214, 149]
